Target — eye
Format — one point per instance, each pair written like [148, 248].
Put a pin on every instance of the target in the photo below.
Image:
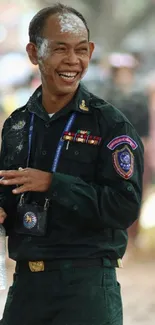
[60, 49]
[82, 50]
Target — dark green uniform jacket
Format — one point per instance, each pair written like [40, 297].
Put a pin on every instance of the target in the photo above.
[96, 190]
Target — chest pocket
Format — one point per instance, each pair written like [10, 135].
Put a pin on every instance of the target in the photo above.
[79, 159]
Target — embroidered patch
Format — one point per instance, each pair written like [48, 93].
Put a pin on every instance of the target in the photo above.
[29, 220]
[121, 140]
[123, 161]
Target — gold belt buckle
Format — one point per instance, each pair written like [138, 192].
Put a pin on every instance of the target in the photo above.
[36, 266]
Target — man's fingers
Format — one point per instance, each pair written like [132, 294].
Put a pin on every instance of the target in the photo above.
[21, 189]
[7, 174]
[14, 181]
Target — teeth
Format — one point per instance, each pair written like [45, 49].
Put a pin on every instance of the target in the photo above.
[68, 74]
[67, 78]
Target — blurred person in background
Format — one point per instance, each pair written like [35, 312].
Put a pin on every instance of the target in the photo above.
[151, 95]
[95, 75]
[72, 167]
[1, 105]
[18, 93]
[124, 91]
[2, 112]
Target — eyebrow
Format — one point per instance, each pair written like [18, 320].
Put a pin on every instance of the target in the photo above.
[63, 43]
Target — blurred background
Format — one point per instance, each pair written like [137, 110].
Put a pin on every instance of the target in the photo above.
[122, 71]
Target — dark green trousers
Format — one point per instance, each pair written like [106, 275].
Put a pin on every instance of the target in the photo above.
[69, 296]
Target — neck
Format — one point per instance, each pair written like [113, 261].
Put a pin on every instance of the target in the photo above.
[54, 103]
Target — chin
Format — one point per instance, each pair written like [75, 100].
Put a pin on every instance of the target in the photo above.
[67, 90]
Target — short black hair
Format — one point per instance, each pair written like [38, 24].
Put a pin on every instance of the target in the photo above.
[38, 21]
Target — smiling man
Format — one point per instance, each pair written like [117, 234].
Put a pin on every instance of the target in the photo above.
[71, 184]
[62, 49]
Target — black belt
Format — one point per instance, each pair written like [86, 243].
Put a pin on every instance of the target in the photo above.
[40, 266]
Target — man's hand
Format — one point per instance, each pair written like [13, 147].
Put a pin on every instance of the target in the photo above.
[27, 179]
[3, 215]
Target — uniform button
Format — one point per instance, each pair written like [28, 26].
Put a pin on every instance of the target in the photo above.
[44, 152]
[47, 125]
[75, 207]
[76, 153]
[54, 194]
[129, 188]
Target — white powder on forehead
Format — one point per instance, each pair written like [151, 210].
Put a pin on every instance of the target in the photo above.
[71, 23]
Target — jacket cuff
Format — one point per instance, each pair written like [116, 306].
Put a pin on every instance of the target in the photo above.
[61, 189]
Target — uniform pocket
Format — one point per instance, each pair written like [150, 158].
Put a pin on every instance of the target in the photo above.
[79, 160]
[113, 299]
[84, 302]
[81, 152]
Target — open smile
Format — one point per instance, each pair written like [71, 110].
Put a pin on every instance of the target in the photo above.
[68, 76]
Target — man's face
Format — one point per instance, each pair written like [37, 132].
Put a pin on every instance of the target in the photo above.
[63, 53]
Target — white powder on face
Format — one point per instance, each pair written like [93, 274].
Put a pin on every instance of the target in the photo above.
[43, 48]
[70, 23]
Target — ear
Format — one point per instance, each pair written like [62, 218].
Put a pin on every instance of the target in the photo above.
[91, 49]
[32, 53]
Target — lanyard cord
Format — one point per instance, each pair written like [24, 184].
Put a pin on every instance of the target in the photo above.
[60, 143]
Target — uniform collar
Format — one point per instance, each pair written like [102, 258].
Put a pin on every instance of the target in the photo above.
[80, 103]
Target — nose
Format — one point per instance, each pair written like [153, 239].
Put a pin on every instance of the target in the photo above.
[72, 57]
